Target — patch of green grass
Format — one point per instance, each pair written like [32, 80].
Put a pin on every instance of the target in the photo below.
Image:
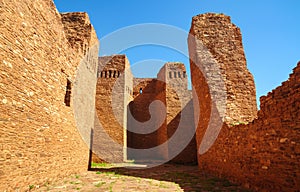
[162, 185]
[111, 173]
[98, 172]
[74, 183]
[31, 187]
[131, 161]
[111, 186]
[77, 176]
[100, 184]
[100, 165]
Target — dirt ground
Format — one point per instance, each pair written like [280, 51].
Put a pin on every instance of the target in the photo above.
[163, 178]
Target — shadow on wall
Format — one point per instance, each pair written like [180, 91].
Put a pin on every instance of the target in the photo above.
[182, 122]
[91, 151]
[139, 108]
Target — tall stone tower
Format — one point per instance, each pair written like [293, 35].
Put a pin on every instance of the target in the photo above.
[113, 94]
[179, 120]
[221, 81]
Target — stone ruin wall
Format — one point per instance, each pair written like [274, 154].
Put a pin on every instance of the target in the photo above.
[179, 115]
[263, 154]
[42, 138]
[172, 92]
[39, 140]
[114, 90]
[83, 39]
[215, 46]
[139, 109]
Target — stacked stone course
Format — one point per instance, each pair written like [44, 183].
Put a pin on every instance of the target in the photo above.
[39, 136]
[110, 135]
[170, 87]
[114, 88]
[261, 154]
[51, 80]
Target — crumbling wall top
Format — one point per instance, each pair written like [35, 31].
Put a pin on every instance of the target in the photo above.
[79, 30]
[211, 17]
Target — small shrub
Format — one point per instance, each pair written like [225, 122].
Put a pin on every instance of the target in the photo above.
[31, 187]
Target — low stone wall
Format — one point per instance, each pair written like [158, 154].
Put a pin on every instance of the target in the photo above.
[264, 154]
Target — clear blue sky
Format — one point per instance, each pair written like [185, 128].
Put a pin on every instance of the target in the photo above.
[270, 29]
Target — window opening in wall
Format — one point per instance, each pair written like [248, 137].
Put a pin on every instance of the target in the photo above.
[101, 74]
[141, 90]
[110, 72]
[118, 73]
[179, 76]
[68, 93]
[170, 75]
[105, 74]
[184, 74]
[175, 74]
[115, 74]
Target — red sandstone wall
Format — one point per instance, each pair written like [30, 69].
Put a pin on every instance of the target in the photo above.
[174, 136]
[180, 122]
[113, 94]
[83, 39]
[39, 140]
[215, 46]
[262, 155]
[162, 131]
[139, 109]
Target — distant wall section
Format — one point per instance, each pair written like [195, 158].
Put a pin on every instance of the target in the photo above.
[173, 137]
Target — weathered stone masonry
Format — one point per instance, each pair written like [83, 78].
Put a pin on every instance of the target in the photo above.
[180, 116]
[48, 74]
[128, 118]
[262, 154]
[170, 88]
[114, 92]
[39, 135]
